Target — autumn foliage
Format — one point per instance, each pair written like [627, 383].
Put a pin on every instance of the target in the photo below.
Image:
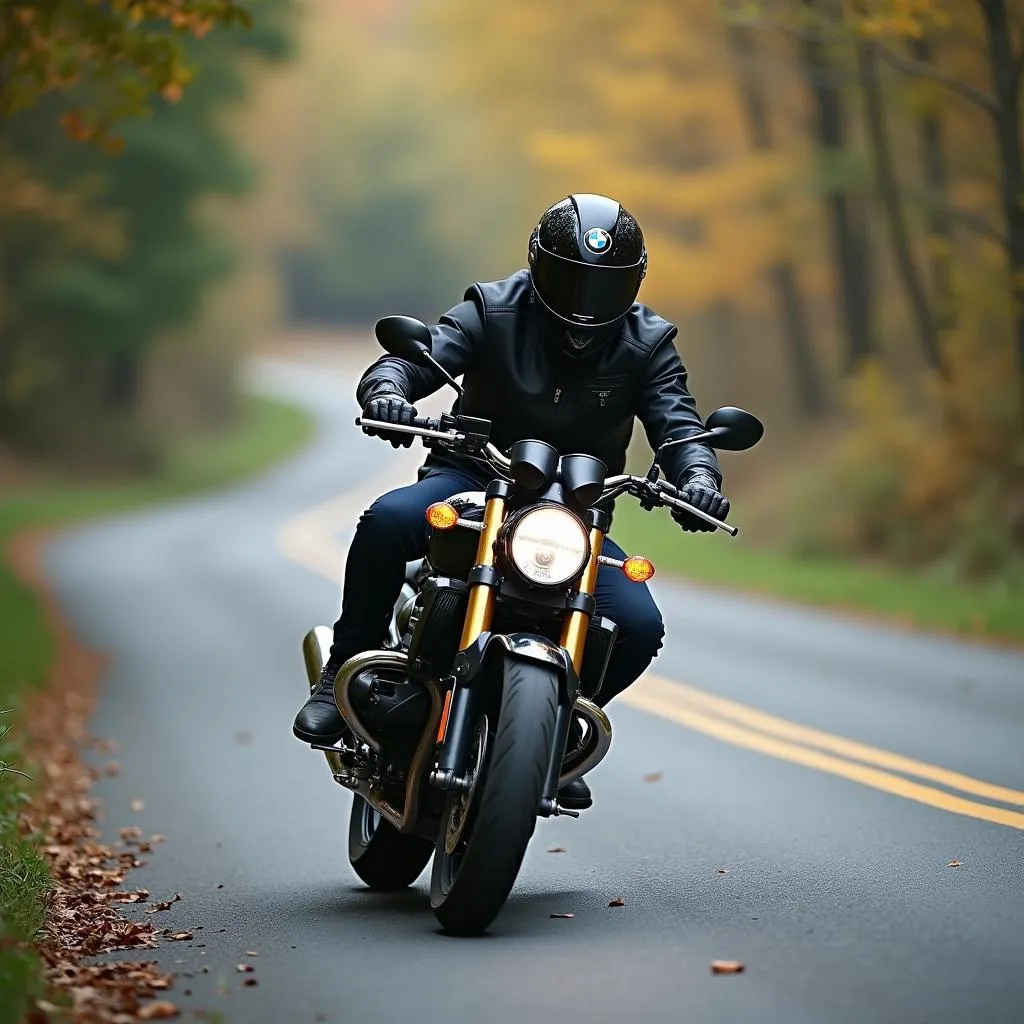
[106, 58]
[831, 191]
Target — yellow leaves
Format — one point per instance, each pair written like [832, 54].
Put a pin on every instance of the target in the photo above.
[122, 52]
[904, 19]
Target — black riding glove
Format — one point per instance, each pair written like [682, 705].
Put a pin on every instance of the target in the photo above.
[702, 492]
[390, 409]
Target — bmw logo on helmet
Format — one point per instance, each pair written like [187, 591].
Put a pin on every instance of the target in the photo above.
[597, 240]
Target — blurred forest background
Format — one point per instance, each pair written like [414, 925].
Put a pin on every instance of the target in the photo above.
[832, 193]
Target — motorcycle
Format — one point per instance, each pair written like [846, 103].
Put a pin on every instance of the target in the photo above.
[480, 706]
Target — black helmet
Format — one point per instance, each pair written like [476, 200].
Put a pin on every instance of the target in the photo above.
[587, 259]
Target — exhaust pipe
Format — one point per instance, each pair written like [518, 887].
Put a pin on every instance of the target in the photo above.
[598, 740]
[368, 659]
[316, 648]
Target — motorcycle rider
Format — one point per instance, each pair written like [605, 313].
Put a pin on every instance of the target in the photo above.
[560, 352]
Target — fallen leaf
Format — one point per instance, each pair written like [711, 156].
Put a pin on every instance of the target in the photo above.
[133, 897]
[726, 967]
[617, 902]
[722, 871]
[653, 776]
[164, 904]
[181, 936]
[557, 849]
[160, 1010]
[112, 769]
[251, 952]
[138, 805]
[953, 864]
[250, 981]
[563, 916]
[158, 839]
[245, 968]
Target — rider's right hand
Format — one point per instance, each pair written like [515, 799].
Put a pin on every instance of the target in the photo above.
[390, 409]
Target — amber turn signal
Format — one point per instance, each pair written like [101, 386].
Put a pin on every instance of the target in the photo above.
[638, 569]
[442, 516]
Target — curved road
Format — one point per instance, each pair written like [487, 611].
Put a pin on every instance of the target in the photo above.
[787, 792]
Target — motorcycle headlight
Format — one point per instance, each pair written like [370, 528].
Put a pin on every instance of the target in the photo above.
[549, 546]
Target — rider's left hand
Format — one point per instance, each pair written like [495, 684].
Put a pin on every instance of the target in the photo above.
[702, 492]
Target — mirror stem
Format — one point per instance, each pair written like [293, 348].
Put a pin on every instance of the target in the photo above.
[449, 379]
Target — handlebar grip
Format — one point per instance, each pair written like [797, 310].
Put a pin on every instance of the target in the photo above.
[687, 507]
[425, 423]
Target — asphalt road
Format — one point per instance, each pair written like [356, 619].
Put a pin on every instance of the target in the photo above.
[768, 837]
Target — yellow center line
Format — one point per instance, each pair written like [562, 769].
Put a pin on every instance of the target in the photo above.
[651, 702]
[681, 694]
[310, 540]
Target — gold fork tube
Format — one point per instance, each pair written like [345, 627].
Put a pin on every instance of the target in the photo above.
[480, 608]
[574, 629]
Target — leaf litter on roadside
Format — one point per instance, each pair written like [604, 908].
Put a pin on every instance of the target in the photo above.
[618, 901]
[564, 917]
[84, 914]
[654, 776]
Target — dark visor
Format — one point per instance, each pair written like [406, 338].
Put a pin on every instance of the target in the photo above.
[586, 294]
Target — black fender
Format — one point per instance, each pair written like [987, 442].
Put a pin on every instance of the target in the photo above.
[469, 664]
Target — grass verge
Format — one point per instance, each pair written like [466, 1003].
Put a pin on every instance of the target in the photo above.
[267, 431]
[910, 599]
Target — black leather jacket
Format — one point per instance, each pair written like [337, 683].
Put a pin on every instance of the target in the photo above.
[518, 375]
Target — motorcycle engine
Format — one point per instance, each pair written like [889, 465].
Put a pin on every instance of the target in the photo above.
[391, 707]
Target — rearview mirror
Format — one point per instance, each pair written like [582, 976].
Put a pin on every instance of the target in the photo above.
[404, 337]
[734, 430]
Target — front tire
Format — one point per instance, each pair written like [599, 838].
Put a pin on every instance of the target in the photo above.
[384, 858]
[471, 881]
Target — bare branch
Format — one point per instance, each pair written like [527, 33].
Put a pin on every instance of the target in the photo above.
[922, 69]
[979, 225]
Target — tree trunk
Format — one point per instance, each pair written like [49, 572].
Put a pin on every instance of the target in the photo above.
[123, 381]
[889, 193]
[940, 224]
[1006, 76]
[782, 275]
[846, 217]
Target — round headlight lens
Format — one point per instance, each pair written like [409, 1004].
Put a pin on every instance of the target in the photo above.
[549, 546]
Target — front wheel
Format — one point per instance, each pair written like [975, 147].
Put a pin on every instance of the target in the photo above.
[380, 855]
[485, 831]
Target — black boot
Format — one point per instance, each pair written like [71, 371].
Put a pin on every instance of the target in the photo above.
[575, 796]
[319, 720]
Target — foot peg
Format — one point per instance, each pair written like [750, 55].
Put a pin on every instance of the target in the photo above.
[553, 809]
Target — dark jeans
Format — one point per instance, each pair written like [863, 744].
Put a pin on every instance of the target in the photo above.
[393, 531]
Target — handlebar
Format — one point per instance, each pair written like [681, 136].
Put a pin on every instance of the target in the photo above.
[424, 426]
[659, 492]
